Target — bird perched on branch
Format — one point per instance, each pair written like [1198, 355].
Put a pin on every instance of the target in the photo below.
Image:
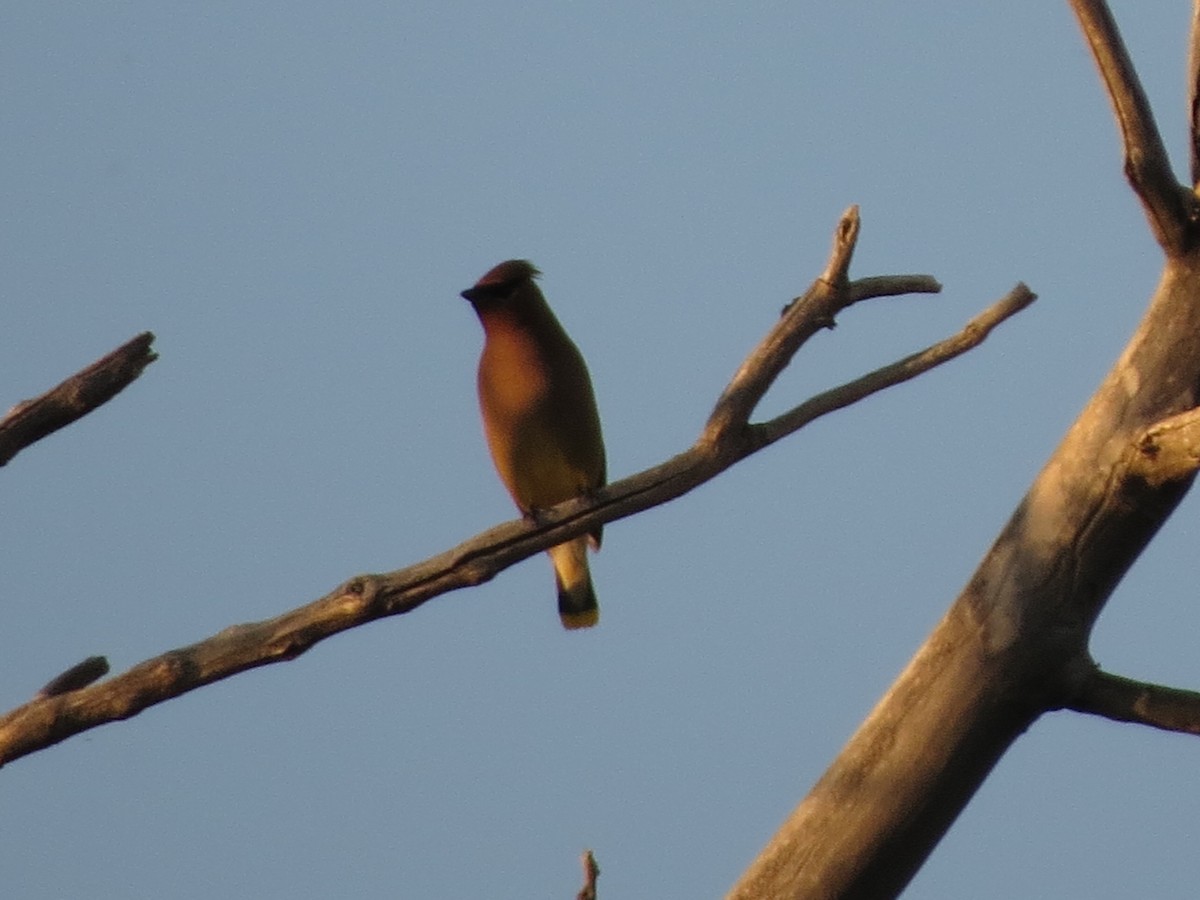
[539, 415]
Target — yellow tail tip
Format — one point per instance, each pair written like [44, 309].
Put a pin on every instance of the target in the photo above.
[585, 619]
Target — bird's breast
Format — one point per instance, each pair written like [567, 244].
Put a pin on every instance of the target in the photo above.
[514, 380]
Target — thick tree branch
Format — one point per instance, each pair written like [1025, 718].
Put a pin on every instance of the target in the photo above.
[1126, 700]
[32, 420]
[48, 720]
[1169, 207]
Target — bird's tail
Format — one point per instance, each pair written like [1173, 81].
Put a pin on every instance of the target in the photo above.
[577, 605]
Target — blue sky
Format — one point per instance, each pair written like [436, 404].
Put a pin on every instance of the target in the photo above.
[291, 196]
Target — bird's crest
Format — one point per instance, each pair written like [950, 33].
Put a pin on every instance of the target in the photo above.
[509, 272]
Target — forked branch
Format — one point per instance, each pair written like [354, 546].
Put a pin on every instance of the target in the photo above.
[727, 438]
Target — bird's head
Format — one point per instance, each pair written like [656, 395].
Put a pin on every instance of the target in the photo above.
[501, 283]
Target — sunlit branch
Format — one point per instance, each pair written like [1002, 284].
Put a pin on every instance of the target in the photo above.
[1167, 204]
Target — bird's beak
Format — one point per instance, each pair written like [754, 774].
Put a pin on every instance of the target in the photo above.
[468, 294]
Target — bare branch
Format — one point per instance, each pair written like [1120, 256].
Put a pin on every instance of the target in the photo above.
[891, 286]
[1126, 700]
[48, 720]
[845, 239]
[1167, 204]
[591, 872]
[910, 367]
[814, 310]
[32, 420]
[802, 318]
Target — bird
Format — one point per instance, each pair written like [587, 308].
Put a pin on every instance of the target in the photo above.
[539, 418]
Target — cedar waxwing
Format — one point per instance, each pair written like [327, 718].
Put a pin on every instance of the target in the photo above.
[539, 415]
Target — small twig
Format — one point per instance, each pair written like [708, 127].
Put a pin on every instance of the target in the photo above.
[1127, 700]
[591, 872]
[890, 286]
[32, 420]
[1167, 203]
[845, 239]
[78, 676]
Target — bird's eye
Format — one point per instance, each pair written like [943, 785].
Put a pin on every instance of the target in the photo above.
[499, 292]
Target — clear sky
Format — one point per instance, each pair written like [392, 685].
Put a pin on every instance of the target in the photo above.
[291, 195]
